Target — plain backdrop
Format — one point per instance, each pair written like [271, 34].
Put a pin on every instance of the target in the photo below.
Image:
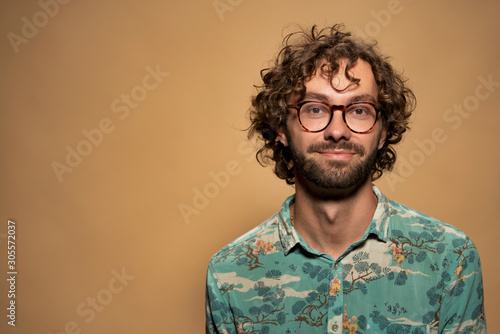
[125, 166]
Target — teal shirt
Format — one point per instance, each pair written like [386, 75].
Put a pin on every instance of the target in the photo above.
[409, 273]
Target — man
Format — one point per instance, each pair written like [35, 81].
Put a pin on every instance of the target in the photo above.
[340, 257]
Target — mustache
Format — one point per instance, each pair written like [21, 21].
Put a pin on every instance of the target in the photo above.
[330, 146]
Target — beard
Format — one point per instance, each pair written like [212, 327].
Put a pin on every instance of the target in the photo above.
[336, 174]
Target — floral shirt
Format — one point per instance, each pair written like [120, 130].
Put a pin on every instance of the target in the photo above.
[409, 273]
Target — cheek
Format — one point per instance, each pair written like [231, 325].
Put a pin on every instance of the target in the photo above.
[303, 140]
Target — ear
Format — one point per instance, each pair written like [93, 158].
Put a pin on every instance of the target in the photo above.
[282, 135]
[383, 136]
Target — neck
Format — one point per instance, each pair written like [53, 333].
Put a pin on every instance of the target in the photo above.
[331, 220]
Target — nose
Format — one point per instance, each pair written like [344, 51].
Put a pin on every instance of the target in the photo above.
[337, 129]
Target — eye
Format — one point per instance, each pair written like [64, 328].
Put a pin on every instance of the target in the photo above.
[361, 110]
[314, 109]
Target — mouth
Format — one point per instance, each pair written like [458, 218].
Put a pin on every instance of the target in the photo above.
[337, 154]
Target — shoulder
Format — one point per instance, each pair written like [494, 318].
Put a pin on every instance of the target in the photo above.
[264, 234]
[404, 217]
[430, 234]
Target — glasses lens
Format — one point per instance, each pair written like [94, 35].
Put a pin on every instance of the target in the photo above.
[360, 117]
[314, 116]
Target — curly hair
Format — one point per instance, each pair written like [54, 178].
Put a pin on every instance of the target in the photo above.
[302, 53]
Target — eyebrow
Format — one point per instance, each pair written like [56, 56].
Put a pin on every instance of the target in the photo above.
[364, 97]
[324, 98]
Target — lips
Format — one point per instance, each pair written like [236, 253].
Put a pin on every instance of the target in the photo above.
[337, 149]
[337, 154]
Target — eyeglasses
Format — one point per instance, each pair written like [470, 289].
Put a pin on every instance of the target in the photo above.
[314, 116]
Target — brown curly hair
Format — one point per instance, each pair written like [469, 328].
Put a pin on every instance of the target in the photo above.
[299, 58]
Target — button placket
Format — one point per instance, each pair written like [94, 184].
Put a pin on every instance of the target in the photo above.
[336, 297]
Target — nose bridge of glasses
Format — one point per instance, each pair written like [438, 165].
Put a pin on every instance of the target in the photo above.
[342, 109]
[339, 120]
[338, 107]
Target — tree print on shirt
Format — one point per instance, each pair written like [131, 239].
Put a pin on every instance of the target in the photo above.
[361, 272]
[268, 314]
[247, 253]
[453, 285]
[351, 324]
[415, 247]
[313, 310]
[258, 319]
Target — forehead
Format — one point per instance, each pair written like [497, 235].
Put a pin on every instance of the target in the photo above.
[339, 86]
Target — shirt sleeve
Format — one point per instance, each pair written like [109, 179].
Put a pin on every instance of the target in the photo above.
[463, 302]
[219, 318]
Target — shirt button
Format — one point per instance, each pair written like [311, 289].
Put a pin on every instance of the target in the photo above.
[335, 327]
[336, 266]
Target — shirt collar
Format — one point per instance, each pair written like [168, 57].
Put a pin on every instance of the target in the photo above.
[288, 235]
[380, 222]
[378, 227]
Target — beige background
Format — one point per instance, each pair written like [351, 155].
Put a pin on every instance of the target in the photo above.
[120, 206]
